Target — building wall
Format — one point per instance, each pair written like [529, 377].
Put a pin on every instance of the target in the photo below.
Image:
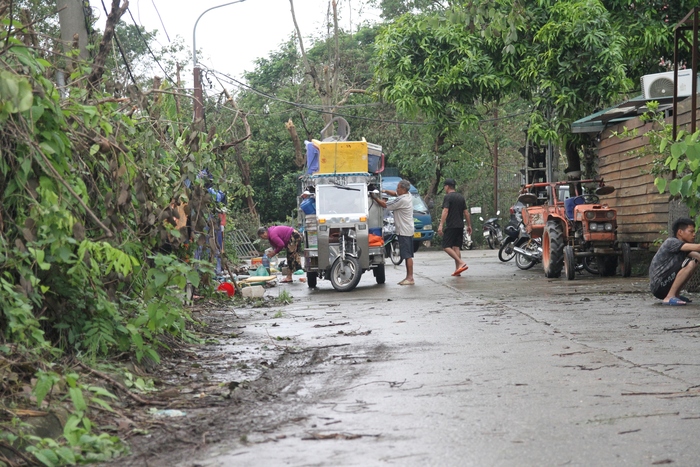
[626, 163]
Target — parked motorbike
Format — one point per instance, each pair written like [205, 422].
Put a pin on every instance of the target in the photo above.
[528, 251]
[512, 230]
[391, 241]
[507, 251]
[467, 242]
[492, 231]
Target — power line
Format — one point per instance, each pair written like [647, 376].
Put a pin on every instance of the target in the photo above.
[315, 108]
[161, 20]
[138, 29]
[308, 107]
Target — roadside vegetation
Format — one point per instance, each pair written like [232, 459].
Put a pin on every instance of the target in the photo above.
[98, 153]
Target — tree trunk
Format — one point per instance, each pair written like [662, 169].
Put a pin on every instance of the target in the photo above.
[72, 20]
[434, 183]
[98, 66]
[299, 159]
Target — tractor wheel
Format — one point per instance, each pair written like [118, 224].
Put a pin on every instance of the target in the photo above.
[553, 249]
[625, 261]
[345, 274]
[607, 265]
[590, 264]
[569, 262]
[379, 274]
[311, 279]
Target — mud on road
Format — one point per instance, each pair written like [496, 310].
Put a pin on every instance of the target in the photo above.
[475, 370]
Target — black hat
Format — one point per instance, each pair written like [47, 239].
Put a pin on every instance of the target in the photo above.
[450, 182]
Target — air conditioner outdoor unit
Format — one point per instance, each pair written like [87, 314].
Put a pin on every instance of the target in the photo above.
[661, 84]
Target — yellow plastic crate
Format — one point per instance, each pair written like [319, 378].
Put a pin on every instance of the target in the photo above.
[342, 156]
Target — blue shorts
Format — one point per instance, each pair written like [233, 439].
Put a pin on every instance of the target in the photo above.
[405, 246]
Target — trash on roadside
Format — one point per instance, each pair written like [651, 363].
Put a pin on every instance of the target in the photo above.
[299, 272]
[227, 288]
[254, 291]
[168, 413]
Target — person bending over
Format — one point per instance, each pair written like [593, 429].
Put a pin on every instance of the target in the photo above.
[673, 265]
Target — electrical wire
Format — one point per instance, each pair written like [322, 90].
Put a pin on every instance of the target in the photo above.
[161, 20]
[315, 108]
[121, 50]
[138, 29]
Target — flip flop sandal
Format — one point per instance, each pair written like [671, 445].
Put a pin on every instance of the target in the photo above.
[685, 299]
[674, 301]
[460, 270]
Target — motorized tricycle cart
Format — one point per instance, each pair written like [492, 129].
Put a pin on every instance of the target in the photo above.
[343, 235]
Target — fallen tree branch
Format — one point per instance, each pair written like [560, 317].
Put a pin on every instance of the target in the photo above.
[120, 386]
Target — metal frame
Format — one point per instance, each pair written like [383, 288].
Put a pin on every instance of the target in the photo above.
[692, 18]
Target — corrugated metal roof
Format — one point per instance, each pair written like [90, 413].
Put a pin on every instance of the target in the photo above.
[597, 122]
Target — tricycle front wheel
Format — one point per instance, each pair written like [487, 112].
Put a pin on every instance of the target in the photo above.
[345, 274]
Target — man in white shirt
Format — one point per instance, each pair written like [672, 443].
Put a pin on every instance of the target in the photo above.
[402, 207]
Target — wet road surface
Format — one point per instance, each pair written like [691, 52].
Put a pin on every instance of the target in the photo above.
[499, 367]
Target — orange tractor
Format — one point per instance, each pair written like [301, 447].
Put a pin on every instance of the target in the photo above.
[577, 231]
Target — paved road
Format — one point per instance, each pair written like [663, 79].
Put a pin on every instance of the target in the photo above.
[500, 367]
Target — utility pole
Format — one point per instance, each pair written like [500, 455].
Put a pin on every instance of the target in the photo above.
[495, 161]
[71, 17]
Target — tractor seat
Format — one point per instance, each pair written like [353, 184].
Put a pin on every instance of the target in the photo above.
[569, 205]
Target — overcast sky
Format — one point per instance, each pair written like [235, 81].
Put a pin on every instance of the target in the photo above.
[231, 37]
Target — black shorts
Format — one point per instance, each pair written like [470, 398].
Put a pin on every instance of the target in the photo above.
[405, 246]
[453, 237]
[663, 285]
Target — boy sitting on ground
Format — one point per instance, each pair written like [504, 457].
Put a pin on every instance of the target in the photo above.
[673, 265]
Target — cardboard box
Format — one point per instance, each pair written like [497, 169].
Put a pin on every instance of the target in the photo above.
[342, 156]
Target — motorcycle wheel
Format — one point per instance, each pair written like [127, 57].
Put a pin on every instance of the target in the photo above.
[311, 279]
[506, 253]
[625, 261]
[490, 242]
[590, 264]
[395, 253]
[345, 274]
[523, 262]
[569, 262]
[379, 274]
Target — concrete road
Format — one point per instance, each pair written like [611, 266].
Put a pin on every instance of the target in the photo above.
[499, 367]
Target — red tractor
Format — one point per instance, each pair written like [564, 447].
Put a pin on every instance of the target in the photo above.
[578, 232]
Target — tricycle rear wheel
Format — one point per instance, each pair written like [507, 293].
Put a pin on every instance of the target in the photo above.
[311, 279]
[379, 274]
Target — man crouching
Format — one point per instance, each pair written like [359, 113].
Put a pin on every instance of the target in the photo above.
[673, 265]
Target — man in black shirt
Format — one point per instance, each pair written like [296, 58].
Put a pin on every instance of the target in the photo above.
[454, 208]
[674, 263]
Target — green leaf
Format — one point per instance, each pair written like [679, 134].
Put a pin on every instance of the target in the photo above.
[76, 395]
[675, 186]
[44, 383]
[662, 146]
[678, 149]
[47, 457]
[66, 454]
[193, 278]
[660, 183]
[159, 278]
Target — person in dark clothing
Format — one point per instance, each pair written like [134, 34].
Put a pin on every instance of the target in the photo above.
[674, 263]
[454, 208]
